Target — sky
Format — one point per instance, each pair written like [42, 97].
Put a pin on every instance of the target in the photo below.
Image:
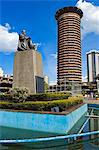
[37, 17]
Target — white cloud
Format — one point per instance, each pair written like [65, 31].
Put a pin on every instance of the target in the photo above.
[54, 55]
[1, 72]
[90, 20]
[53, 83]
[7, 26]
[37, 45]
[8, 40]
[84, 78]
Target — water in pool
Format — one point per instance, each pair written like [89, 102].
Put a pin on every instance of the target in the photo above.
[82, 143]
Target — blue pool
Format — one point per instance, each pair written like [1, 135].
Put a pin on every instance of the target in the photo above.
[89, 122]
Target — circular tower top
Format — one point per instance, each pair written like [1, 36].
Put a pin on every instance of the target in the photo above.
[68, 10]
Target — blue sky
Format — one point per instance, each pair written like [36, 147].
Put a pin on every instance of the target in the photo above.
[37, 17]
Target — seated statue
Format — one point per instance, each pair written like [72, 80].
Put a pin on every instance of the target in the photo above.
[25, 42]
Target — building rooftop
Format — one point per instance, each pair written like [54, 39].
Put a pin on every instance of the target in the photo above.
[67, 10]
[93, 51]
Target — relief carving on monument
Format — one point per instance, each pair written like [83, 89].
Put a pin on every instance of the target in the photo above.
[25, 42]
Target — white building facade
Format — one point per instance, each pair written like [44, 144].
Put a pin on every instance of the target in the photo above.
[92, 65]
[46, 79]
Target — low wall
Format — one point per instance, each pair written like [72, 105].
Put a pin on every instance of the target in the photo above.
[42, 122]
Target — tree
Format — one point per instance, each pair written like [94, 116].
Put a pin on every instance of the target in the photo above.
[19, 94]
[46, 86]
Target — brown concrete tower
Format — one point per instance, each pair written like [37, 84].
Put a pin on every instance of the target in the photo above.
[69, 44]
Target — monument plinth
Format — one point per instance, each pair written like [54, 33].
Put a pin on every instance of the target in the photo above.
[28, 68]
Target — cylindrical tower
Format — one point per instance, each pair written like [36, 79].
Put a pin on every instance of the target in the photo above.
[69, 44]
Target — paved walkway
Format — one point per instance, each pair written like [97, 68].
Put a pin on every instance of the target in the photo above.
[91, 101]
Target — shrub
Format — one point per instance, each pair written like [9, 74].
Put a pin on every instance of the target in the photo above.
[48, 96]
[5, 97]
[5, 105]
[42, 105]
[19, 94]
[22, 94]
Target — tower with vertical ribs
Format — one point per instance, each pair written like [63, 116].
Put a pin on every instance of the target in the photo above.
[69, 44]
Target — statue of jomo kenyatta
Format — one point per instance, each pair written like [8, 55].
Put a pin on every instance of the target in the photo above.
[25, 42]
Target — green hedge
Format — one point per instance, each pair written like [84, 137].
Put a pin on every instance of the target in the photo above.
[37, 97]
[48, 96]
[5, 97]
[42, 105]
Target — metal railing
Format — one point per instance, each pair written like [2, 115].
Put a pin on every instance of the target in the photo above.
[72, 136]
